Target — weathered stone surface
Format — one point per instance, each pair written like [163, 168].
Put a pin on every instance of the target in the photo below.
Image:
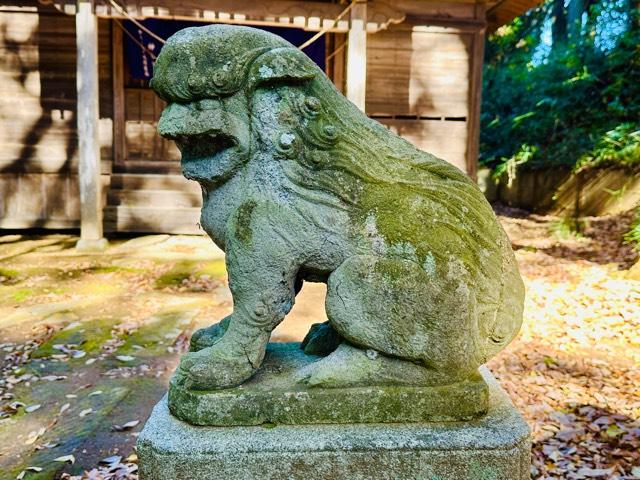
[274, 396]
[299, 185]
[494, 447]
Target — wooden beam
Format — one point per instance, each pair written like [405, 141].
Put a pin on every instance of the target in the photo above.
[91, 237]
[117, 74]
[311, 15]
[476, 60]
[356, 71]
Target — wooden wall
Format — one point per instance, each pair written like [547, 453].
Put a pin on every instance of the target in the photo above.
[38, 158]
[143, 147]
[419, 84]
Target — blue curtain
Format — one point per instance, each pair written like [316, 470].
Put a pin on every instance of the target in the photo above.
[140, 63]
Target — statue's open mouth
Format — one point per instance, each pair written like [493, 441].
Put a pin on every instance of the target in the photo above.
[209, 159]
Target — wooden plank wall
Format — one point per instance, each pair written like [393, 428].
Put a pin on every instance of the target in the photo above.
[143, 144]
[418, 85]
[38, 158]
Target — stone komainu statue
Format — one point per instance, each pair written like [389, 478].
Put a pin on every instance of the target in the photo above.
[298, 184]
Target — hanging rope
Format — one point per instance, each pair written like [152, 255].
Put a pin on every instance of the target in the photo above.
[326, 29]
[124, 13]
[132, 37]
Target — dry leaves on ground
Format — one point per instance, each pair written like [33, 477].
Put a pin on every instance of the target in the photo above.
[573, 371]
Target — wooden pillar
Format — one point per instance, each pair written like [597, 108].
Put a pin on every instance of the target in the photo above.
[357, 56]
[88, 117]
[117, 73]
[476, 60]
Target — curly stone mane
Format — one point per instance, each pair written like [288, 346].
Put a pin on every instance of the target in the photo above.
[354, 163]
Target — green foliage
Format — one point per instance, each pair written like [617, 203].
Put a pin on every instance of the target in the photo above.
[566, 228]
[620, 146]
[571, 102]
[633, 236]
[509, 165]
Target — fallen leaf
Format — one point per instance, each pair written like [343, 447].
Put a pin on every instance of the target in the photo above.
[32, 408]
[66, 458]
[112, 459]
[125, 358]
[86, 412]
[130, 424]
[595, 472]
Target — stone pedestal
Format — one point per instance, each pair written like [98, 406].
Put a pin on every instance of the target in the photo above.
[274, 395]
[493, 447]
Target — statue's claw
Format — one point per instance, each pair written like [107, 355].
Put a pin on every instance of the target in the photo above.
[206, 337]
[210, 369]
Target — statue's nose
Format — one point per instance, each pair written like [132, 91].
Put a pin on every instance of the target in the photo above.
[173, 121]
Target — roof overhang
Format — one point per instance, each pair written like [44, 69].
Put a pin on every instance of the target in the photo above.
[308, 15]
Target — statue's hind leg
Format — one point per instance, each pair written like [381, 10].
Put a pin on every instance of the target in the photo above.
[389, 313]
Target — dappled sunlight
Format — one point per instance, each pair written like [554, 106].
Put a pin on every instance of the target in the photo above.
[75, 324]
[573, 370]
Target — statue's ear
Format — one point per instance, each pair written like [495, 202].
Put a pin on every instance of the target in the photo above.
[281, 66]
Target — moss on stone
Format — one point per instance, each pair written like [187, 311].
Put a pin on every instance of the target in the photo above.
[182, 270]
[22, 294]
[88, 336]
[215, 269]
[185, 269]
[10, 275]
[274, 396]
[243, 221]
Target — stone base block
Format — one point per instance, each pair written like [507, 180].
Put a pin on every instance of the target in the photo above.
[274, 396]
[87, 245]
[494, 447]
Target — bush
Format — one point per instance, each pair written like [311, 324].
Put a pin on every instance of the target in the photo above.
[572, 103]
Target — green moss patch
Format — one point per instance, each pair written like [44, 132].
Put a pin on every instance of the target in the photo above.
[88, 336]
[8, 276]
[22, 294]
[69, 433]
[185, 269]
[153, 338]
[180, 271]
[215, 269]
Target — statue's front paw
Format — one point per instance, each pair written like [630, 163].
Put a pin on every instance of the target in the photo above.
[210, 369]
[206, 337]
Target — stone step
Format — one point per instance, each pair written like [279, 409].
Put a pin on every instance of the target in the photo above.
[155, 198]
[152, 219]
[152, 181]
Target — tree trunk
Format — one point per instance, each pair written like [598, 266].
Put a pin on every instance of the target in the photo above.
[574, 18]
[559, 31]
